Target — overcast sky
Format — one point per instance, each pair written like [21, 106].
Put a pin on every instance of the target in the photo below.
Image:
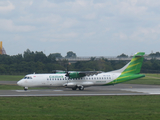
[86, 27]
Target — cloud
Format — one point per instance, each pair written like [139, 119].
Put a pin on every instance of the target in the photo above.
[147, 35]
[57, 37]
[90, 16]
[90, 34]
[6, 6]
[9, 26]
[17, 37]
[121, 36]
[47, 4]
[69, 22]
[97, 22]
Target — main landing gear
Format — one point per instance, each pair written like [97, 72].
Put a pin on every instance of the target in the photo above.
[80, 88]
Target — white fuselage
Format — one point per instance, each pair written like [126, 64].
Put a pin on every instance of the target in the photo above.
[34, 80]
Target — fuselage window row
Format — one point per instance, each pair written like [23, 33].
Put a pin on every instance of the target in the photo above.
[87, 78]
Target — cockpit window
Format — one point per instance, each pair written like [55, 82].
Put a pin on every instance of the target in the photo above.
[27, 77]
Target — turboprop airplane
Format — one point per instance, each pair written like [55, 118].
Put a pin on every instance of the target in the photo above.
[81, 79]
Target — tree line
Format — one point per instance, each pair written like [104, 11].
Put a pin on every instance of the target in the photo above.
[30, 62]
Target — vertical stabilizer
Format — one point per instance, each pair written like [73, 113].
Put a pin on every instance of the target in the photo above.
[135, 65]
[131, 70]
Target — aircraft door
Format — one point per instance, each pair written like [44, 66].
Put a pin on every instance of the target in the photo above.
[49, 81]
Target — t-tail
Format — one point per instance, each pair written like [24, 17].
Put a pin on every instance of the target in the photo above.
[131, 70]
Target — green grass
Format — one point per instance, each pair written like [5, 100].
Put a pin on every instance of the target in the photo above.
[153, 75]
[16, 87]
[11, 77]
[149, 79]
[10, 87]
[87, 108]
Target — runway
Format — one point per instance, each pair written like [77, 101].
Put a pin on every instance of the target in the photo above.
[119, 89]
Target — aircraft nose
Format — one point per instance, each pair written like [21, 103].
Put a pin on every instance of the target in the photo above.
[19, 83]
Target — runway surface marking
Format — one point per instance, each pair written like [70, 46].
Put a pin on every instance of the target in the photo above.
[145, 90]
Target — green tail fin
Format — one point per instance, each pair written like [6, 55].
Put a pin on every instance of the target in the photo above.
[131, 70]
[135, 65]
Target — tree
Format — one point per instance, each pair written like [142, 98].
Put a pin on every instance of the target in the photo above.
[157, 54]
[52, 57]
[70, 54]
[28, 55]
[56, 55]
[122, 56]
[40, 56]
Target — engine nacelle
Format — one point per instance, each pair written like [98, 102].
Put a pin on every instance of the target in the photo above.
[86, 84]
[70, 85]
[76, 75]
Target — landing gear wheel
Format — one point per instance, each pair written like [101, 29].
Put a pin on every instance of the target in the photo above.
[81, 88]
[25, 88]
[75, 88]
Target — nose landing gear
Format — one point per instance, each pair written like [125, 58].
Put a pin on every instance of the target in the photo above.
[25, 88]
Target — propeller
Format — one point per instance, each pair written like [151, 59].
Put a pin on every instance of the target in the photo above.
[67, 73]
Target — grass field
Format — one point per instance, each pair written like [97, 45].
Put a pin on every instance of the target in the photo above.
[11, 77]
[86, 108]
[16, 87]
[151, 79]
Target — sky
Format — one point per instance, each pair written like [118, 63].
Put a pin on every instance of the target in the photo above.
[86, 27]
